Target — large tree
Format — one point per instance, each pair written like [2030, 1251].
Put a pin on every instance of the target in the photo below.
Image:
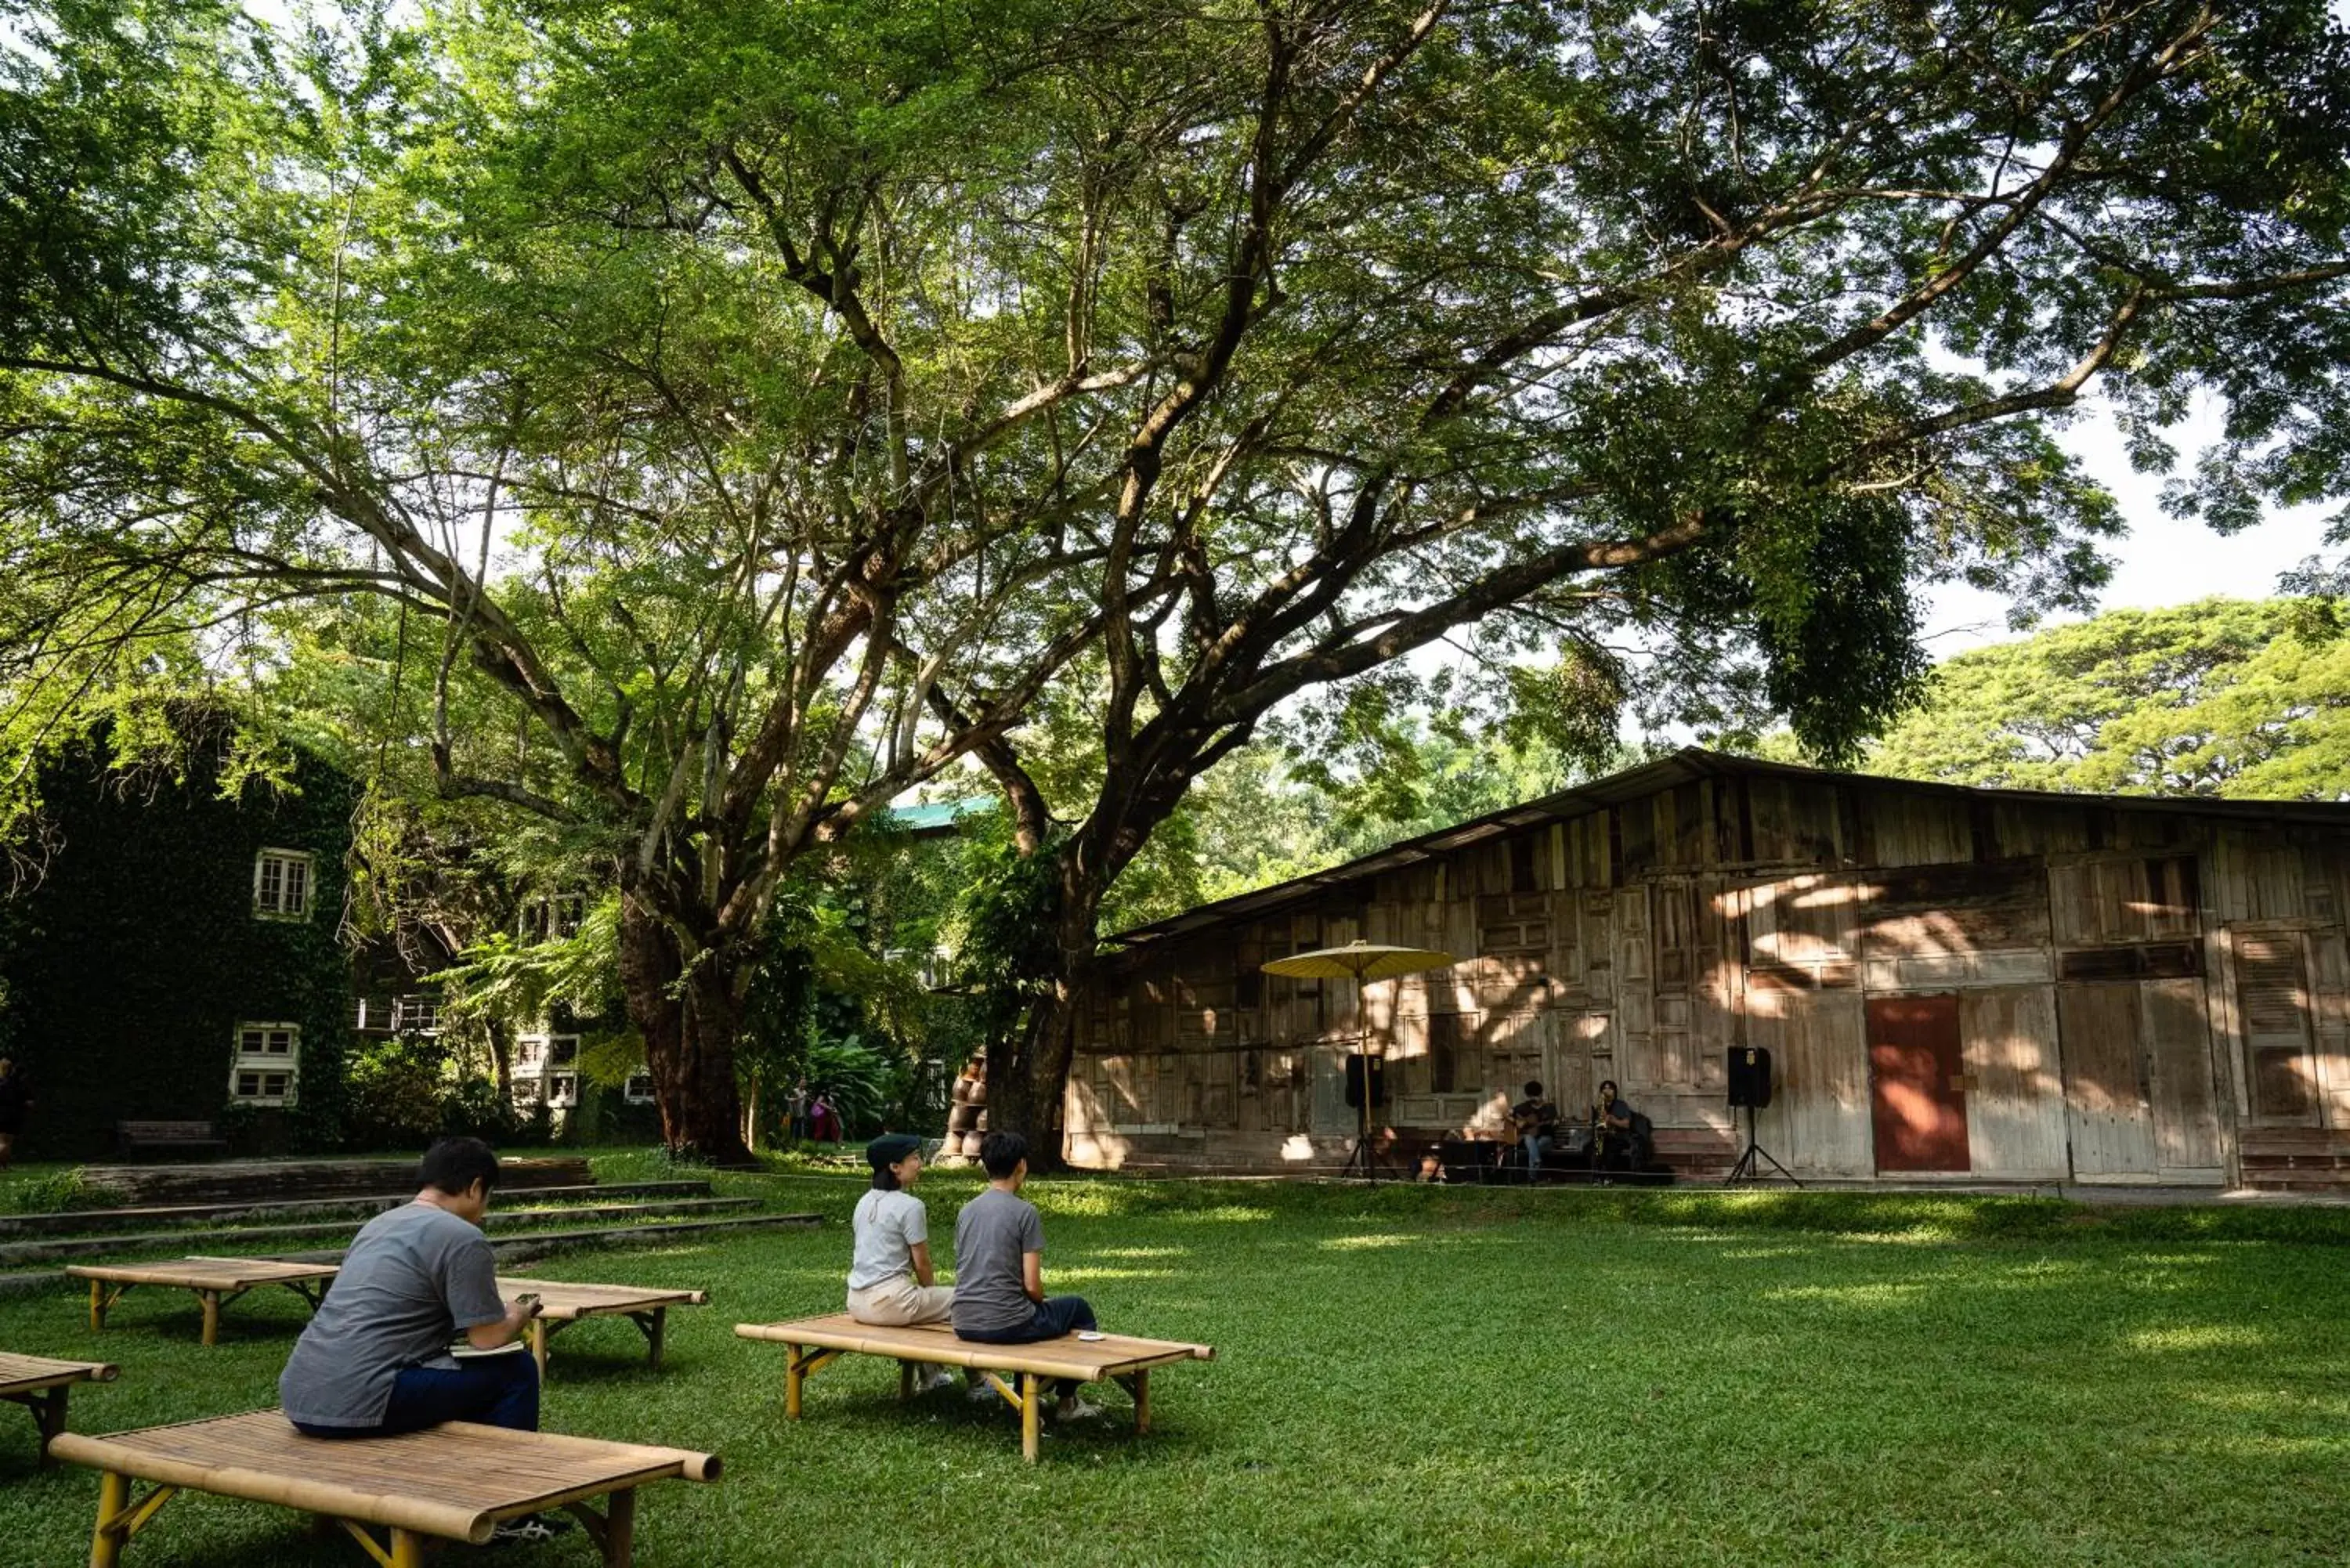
[770, 406]
[2225, 697]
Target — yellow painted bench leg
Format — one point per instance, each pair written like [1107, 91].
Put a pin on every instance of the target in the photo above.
[113, 1500]
[97, 1305]
[1032, 1416]
[793, 1377]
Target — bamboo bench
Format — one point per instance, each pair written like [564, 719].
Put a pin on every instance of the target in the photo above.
[217, 1281]
[813, 1343]
[455, 1482]
[562, 1303]
[41, 1384]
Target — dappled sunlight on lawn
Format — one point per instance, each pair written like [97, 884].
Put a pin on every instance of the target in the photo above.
[1370, 1243]
[2195, 1337]
[1879, 1294]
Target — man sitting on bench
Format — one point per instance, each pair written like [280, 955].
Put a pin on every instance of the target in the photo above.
[375, 1359]
[999, 1290]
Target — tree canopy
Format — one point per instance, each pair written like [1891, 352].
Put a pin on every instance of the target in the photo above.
[2224, 697]
[736, 416]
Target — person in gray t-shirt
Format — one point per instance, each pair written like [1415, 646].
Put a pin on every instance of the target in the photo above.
[375, 1357]
[999, 1296]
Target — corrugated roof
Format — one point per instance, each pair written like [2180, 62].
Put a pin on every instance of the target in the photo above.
[940, 816]
[1683, 766]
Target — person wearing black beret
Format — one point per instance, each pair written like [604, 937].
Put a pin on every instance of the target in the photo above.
[890, 1281]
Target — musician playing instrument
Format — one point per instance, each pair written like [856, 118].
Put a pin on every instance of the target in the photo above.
[1536, 1120]
[1618, 1125]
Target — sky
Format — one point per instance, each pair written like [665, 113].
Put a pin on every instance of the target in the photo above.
[2162, 560]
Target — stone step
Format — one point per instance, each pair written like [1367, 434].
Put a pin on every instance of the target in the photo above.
[521, 1246]
[500, 1221]
[524, 1244]
[234, 1180]
[76, 1222]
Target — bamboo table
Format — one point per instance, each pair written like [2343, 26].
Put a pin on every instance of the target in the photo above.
[562, 1303]
[40, 1384]
[455, 1481]
[813, 1343]
[217, 1281]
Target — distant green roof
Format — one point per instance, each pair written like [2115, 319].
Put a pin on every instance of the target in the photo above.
[940, 816]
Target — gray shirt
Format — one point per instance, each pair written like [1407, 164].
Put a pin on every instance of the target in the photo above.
[991, 1233]
[415, 1279]
[888, 1225]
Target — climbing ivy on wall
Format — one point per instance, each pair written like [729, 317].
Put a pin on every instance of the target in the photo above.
[130, 958]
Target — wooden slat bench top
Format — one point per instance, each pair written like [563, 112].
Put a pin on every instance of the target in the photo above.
[564, 1299]
[1092, 1361]
[455, 1481]
[205, 1273]
[28, 1373]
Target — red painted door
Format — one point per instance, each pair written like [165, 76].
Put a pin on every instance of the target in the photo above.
[1916, 1095]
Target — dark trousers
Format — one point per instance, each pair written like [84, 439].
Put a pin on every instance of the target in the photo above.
[495, 1390]
[1055, 1316]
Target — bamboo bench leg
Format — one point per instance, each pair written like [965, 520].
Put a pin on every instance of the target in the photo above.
[407, 1549]
[1138, 1385]
[658, 1333]
[793, 1377]
[49, 1416]
[905, 1381]
[1032, 1414]
[540, 1332]
[211, 1316]
[113, 1499]
[620, 1528]
[97, 1305]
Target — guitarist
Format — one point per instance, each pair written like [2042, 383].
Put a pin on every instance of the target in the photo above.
[1536, 1120]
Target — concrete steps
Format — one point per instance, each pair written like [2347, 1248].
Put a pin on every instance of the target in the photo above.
[76, 1222]
[260, 1180]
[237, 1240]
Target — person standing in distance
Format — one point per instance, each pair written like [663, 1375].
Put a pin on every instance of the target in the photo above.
[998, 1295]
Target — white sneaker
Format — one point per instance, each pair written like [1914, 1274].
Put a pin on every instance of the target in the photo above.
[981, 1394]
[1074, 1409]
[938, 1379]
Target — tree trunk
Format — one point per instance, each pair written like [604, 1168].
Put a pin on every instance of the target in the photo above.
[1028, 1094]
[689, 1015]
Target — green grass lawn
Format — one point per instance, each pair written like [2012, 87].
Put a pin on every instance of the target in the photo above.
[1416, 1377]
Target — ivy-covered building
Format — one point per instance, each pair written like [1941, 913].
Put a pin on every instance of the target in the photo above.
[174, 955]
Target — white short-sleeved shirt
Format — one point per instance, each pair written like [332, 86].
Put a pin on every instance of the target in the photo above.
[888, 1226]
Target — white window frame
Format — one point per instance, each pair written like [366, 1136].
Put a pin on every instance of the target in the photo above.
[251, 1054]
[562, 1091]
[639, 1089]
[530, 1055]
[270, 899]
[405, 1009]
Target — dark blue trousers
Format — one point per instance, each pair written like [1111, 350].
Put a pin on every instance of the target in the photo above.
[1056, 1315]
[496, 1390]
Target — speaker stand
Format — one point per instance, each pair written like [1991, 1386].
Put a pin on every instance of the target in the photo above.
[1750, 1164]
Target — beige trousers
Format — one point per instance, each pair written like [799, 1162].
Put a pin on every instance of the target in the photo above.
[895, 1303]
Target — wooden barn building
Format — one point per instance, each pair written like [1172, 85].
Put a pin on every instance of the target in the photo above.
[1964, 984]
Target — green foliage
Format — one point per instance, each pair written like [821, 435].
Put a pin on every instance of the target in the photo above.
[404, 1091]
[133, 952]
[2220, 698]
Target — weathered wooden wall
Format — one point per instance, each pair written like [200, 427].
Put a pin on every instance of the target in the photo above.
[2139, 995]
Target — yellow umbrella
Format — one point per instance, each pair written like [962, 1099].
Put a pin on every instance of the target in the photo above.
[1361, 963]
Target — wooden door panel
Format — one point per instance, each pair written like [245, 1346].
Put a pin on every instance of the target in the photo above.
[2016, 1097]
[2107, 1108]
[1917, 1105]
[2179, 1054]
[2272, 1000]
